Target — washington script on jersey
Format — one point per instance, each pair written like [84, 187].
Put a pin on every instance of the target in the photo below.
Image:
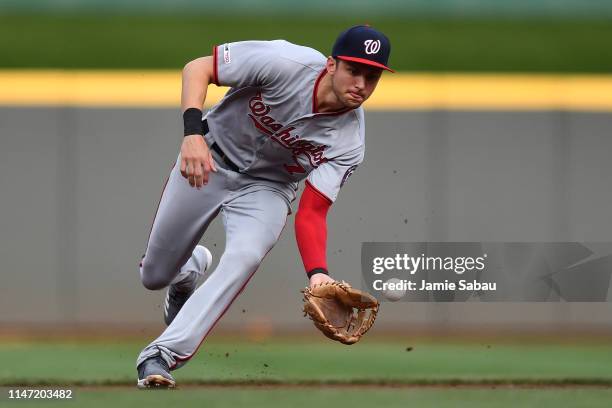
[268, 125]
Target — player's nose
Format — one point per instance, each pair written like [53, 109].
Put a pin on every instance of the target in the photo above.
[360, 81]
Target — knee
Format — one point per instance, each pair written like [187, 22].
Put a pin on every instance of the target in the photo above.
[252, 257]
[248, 257]
[153, 278]
[153, 283]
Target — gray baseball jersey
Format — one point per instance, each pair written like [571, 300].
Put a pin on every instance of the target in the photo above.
[267, 123]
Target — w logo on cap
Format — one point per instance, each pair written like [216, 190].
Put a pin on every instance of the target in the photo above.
[372, 46]
[363, 45]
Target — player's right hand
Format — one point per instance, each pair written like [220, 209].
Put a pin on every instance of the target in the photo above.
[196, 161]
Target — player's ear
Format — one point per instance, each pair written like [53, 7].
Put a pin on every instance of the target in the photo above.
[331, 65]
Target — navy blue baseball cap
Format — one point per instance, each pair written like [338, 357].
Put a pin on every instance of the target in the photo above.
[365, 45]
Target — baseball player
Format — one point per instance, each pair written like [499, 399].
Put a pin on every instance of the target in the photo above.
[291, 114]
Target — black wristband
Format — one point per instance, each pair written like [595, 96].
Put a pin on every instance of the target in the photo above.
[192, 122]
[317, 270]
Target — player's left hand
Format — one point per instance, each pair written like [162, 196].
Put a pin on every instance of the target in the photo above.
[319, 278]
[340, 311]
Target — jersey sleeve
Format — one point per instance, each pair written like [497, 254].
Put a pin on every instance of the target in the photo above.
[329, 177]
[247, 63]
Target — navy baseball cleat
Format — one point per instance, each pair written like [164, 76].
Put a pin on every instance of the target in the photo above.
[179, 292]
[154, 373]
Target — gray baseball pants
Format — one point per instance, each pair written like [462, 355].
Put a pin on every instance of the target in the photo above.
[254, 213]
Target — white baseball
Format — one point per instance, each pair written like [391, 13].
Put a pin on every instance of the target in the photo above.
[394, 294]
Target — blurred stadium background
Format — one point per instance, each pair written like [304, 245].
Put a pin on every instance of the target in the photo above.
[497, 128]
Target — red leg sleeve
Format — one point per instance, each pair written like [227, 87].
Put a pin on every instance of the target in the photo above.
[311, 228]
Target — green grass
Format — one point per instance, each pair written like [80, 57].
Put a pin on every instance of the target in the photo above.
[258, 372]
[307, 362]
[308, 398]
[134, 42]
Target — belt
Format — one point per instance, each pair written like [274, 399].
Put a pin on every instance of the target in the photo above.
[227, 161]
[217, 149]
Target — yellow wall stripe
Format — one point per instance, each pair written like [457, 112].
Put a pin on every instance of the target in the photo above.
[395, 91]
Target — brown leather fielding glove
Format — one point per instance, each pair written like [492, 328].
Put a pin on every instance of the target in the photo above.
[341, 312]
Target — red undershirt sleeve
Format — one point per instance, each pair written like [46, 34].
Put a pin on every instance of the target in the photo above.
[311, 228]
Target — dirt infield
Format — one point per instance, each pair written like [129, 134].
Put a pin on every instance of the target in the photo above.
[83, 333]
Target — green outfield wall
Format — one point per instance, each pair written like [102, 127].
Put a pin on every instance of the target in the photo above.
[436, 45]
